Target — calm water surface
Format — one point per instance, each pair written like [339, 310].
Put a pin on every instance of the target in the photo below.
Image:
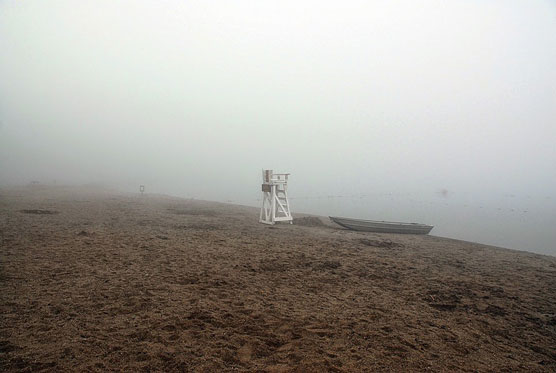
[522, 224]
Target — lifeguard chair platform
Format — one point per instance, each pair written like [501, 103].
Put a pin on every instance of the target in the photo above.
[276, 206]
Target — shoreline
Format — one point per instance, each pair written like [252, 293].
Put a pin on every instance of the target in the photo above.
[104, 189]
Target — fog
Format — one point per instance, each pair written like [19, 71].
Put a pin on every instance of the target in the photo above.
[437, 112]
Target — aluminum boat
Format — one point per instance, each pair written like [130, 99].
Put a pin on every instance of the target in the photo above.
[382, 226]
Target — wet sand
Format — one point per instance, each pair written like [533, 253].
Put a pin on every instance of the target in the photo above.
[92, 280]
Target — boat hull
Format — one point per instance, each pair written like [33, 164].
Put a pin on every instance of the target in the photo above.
[381, 226]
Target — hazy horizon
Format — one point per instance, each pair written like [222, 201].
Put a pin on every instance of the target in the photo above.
[450, 107]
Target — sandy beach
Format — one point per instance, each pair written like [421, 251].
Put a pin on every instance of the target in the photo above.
[94, 280]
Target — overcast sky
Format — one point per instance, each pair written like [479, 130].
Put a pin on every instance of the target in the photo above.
[195, 97]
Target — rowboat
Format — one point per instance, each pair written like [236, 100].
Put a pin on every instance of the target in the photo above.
[382, 226]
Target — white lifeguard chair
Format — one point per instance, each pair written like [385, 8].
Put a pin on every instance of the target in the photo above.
[276, 206]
